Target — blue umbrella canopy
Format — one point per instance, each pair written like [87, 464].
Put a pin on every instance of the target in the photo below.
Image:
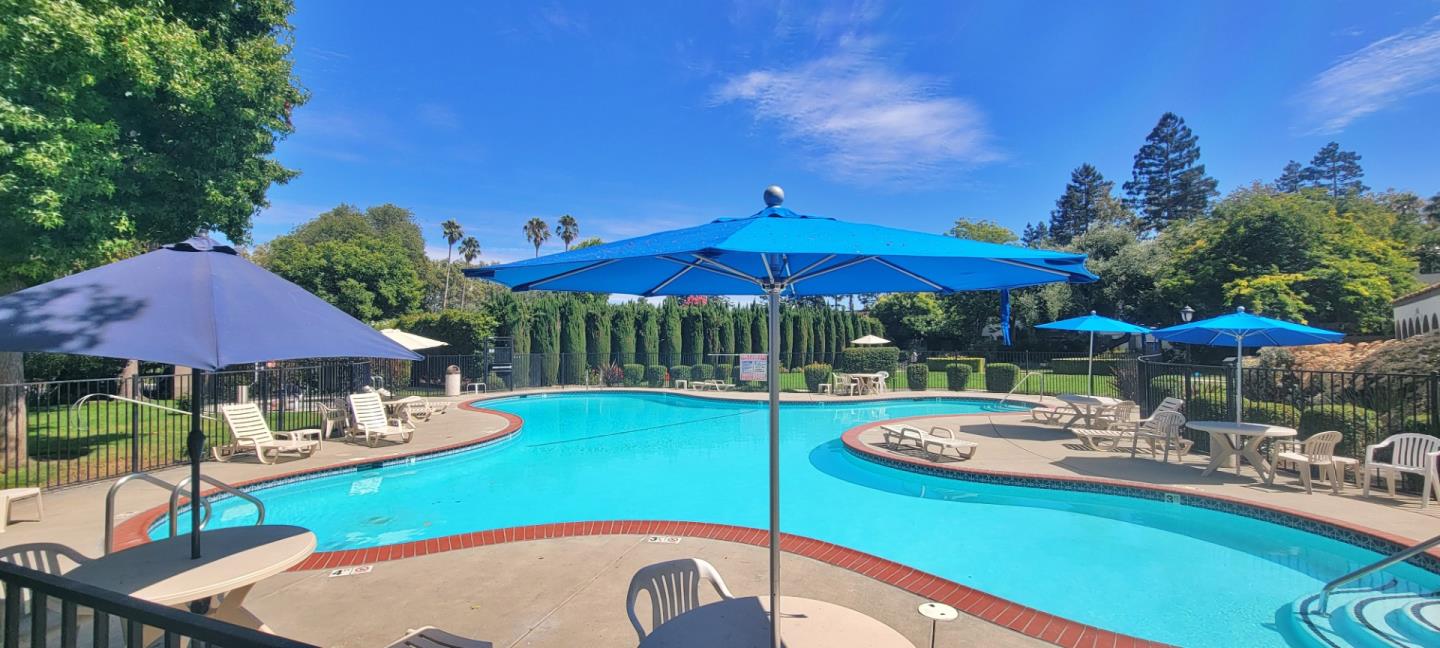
[777, 251]
[1093, 324]
[1251, 330]
[195, 304]
[806, 255]
[1241, 329]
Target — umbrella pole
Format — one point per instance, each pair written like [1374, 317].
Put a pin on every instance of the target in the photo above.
[1090, 368]
[772, 375]
[196, 444]
[1239, 377]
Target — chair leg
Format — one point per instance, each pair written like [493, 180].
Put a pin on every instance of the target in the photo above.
[1390, 481]
[1305, 476]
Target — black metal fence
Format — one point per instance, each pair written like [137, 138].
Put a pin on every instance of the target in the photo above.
[42, 609]
[68, 432]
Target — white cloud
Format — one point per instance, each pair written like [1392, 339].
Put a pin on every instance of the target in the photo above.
[1388, 70]
[865, 120]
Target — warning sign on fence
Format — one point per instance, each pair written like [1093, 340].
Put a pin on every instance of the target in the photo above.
[753, 366]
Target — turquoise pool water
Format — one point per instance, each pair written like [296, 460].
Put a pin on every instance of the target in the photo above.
[1160, 571]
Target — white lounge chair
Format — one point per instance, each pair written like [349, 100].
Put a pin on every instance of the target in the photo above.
[1053, 414]
[1410, 453]
[250, 432]
[371, 424]
[674, 588]
[940, 439]
[1162, 431]
[433, 637]
[1317, 451]
[10, 496]
[898, 435]
[422, 409]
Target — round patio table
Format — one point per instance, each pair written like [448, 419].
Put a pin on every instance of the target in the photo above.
[1225, 442]
[745, 623]
[234, 560]
[1087, 407]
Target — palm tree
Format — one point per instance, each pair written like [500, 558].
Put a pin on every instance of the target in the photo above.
[568, 229]
[453, 233]
[537, 232]
[469, 249]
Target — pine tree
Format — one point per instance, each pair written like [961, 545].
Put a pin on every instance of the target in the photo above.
[1291, 178]
[1335, 171]
[1168, 183]
[1035, 235]
[1082, 206]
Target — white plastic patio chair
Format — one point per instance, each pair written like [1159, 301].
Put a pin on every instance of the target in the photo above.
[251, 432]
[1411, 453]
[674, 588]
[1162, 431]
[1317, 451]
[371, 424]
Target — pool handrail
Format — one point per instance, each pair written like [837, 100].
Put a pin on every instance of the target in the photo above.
[1397, 557]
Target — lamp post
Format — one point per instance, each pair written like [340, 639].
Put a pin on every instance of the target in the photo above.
[1186, 314]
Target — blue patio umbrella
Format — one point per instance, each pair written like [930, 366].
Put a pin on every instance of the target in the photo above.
[1093, 324]
[777, 252]
[195, 304]
[1243, 329]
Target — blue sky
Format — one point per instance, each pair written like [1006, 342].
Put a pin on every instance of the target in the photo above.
[635, 117]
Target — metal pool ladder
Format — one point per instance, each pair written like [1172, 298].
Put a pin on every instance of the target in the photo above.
[1021, 382]
[1397, 557]
[175, 490]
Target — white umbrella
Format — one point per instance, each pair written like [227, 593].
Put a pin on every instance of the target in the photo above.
[410, 340]
[869, 339]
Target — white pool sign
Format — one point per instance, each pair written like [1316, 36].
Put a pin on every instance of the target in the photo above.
[753, 366]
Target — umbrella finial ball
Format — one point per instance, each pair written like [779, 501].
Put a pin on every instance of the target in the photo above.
[774, 195]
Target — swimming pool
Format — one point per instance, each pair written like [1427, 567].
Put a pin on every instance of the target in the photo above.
[1177, 574]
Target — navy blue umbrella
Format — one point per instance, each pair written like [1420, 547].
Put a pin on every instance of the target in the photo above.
[778, 252]
[1242, 329]
[194, 304]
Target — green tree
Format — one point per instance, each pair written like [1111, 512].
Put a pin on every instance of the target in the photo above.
[907, 317]
[1168, 183]
[587, 242]
[672, 334]
[624, 334]
[987, 231]
[464, 332]
[647, 335]
[692, 351]
[1337, 172]
[1292, 177]
[469, 251]
[453, 233]
[124, 125]
[1035, 235]
[599, 336]
[567, 229]
[367, 277]
[537, 232]
[1087, 202]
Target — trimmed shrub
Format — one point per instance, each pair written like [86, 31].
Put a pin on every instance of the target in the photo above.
[634, 374]
[957, 375]
[655, 376]
[723, 372]
[816, 374]
[679, 372]
[1358, 424]
[612, 375]
[917, 376]
[1001, 376]
[1269, 412]
[701, 372]
[494, 383]
[870, 359]
[977, 365]
[1208, 407]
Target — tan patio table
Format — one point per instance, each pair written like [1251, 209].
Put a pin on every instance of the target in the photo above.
[1087, 407]
[745, 623]
[234, 560]
[869, 382]
[1225, 443]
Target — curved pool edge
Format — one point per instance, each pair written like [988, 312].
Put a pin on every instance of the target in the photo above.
[136, 529]
[1354, 534]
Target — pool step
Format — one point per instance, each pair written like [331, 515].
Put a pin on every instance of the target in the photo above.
[1364, 619]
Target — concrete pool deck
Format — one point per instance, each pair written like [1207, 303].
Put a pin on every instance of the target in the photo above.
[570, 591]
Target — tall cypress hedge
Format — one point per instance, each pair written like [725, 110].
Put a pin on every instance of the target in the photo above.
[742, 329]
[572, 342]
[647, 336]
[759, 330]
[622, 334]
[545, 341]
[597, 337]
[671, 335]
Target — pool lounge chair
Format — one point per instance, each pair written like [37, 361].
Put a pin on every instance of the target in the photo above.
[433, 637]
[898, 435]
[250, 432]
[940, 439]
[372, 425]
[1103, 436]
[1052, 415]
